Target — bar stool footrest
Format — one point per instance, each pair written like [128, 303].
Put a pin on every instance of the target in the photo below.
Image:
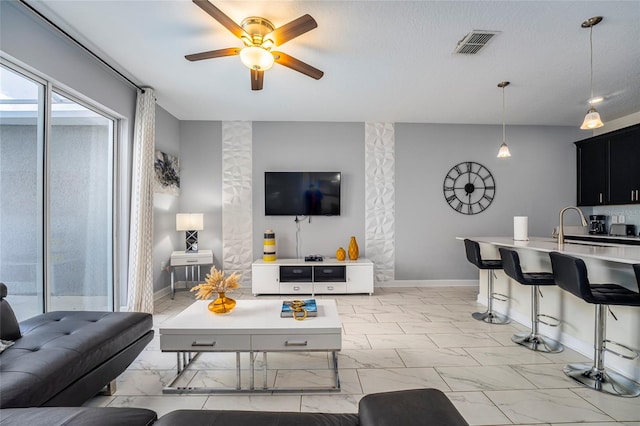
[557, 321]
[537, 343]
[602, 381]
[635, 353]
[499, 297]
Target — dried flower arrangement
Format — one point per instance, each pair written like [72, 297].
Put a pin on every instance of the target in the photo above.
[215, 283]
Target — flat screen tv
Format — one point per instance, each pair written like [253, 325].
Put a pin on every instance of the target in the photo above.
[302, 193]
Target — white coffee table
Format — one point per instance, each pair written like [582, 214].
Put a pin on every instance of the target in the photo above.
[254, 326]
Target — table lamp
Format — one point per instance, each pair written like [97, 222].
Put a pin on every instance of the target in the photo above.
[191, 223]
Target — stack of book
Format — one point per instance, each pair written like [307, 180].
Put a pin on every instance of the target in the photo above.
[291, 306]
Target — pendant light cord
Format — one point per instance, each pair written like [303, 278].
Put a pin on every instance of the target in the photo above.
[591, 62]
[503, 126]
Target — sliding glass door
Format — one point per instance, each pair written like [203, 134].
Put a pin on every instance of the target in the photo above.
[56, 199]
[21, 191]
[80, 191]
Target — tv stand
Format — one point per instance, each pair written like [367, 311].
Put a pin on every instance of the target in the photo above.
[295, 276]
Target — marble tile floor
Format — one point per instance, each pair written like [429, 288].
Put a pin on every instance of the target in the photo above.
[397, 338]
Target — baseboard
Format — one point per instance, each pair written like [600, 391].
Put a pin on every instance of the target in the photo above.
[428, 283]
[166, 291]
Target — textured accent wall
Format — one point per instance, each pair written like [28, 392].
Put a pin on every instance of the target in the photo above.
[380, 198]
[237, 211]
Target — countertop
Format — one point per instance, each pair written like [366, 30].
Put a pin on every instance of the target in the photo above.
[613, 253]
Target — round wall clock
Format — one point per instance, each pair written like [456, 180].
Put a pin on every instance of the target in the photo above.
[469, 187]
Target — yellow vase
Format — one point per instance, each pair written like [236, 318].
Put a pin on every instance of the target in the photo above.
[269, 254]
[341, 254]
[354, 251]
[222, 305]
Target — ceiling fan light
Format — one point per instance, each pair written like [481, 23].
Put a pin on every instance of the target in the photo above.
[503, 152]
[592, 120]
[256, 58]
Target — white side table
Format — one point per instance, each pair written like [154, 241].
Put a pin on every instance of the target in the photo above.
[192, 260]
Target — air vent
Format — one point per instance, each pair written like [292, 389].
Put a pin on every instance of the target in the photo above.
[474, 41]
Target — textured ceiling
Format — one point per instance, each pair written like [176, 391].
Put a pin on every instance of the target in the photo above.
[388, 61]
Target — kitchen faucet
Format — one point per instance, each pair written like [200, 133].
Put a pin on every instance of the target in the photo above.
[561, 227]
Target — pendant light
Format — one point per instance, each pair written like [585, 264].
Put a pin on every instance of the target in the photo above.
[503, 152]
[592, 119]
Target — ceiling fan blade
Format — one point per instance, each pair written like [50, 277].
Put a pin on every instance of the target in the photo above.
[298, 65]
[231, 51]
[292, 30]
[257, 79]
[220, 16]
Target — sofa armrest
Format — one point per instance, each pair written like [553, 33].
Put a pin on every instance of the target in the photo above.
[417, 407]
[77, 416]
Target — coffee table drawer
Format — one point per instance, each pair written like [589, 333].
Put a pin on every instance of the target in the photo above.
[204, 342]
[300, 342]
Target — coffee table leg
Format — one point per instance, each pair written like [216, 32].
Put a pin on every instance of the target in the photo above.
[336, 377]
[264, 372]
[251, 371]
[173, 284]
[238, 379]
[183, 360]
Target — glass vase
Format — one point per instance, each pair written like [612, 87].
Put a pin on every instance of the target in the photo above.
[222, 305]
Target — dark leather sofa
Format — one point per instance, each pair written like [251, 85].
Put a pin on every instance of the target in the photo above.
[65, 358]
[418, 407]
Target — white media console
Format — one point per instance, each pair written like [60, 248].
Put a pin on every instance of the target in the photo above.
[295, 276]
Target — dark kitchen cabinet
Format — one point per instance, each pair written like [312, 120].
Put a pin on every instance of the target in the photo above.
[624, 169]
[592, 171]
[608, 168]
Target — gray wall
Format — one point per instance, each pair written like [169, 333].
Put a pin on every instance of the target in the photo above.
[201, 182]
[288, 146]
[536, 181]
[165, 206]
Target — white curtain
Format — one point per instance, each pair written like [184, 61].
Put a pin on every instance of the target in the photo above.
[140, 283]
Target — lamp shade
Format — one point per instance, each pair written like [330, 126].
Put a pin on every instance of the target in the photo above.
[591, 120]
[503, 152]
[189, 222]
[256, 58]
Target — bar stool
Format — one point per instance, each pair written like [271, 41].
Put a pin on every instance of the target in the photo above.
[570, 274]
[472, 249]
[531, 340]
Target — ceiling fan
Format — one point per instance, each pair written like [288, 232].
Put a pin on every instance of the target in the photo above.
[259, 36]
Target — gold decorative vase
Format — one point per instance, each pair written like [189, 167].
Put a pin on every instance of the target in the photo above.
[341, 254]
[354, 251]
[222, 305]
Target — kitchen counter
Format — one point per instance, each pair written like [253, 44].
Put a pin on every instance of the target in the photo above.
[614, 253]
[606, 263]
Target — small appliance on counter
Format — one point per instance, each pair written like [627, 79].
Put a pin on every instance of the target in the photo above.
[597, 224]
[622, 230]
